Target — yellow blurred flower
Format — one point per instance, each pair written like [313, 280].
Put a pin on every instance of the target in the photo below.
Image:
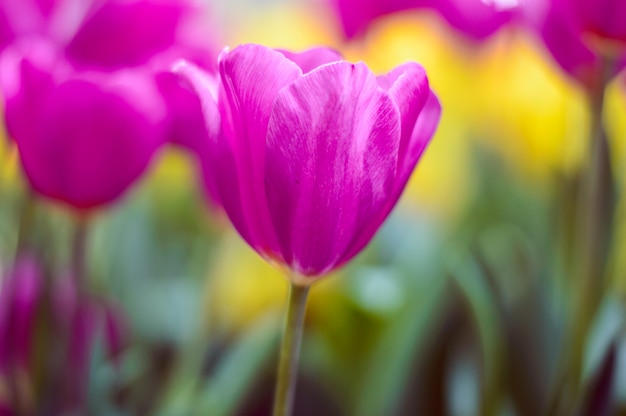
[536, 117]
[173, 170]
[284, 25]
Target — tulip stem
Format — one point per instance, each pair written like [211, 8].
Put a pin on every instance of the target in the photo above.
[79, 253]
[596, 220]
[25, 225]
[290, 350]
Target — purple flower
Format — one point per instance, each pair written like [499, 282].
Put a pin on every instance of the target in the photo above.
[580, 33]
[308, 153]
[83, 136]
[20, 291]
[477, 19]
[36, 315]
[89, 96]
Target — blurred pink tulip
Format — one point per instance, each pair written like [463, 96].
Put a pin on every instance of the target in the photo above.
[34, 315]
[83, 136]
[581, 33]
[476, 19]
[105, 34]
[20, 292]
[308, 153]
[6, 34]
[89, 96]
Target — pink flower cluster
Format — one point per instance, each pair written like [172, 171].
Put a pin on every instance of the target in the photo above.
[305, 152]
[578, 33]
[88, 96]
[478, 19]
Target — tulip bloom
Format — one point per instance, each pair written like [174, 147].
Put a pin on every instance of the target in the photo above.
[581, 33]
[477, 19]
[89, 97]
[308, 153]
[83, 137]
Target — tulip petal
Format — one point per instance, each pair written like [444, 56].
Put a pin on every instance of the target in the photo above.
[89, 145]
[407, 85]
[25, 94]
[252, 76]
[332, 151]
[6, 34]
[423, 131]
[425, 127]
[478, 19]
[216, 156]
[563, 40]
[186, 125]
[141, 29]
[356, 15]
[312, 58]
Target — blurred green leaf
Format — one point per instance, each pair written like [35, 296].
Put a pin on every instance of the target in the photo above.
[235, 374]
[470, 279]
[389, 366]
[608, 324]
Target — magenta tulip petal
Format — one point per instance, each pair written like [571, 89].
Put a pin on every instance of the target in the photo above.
[218, 164]
[332, 151]
[313, 58]
[424, 129]
[407, 86]
[477, 19]
[25, 103]
[186, 127]
[561, 35]
[74, 153]
[6, 34]
[356, 15]
[252, 76]
[121, 33]
[580, 34]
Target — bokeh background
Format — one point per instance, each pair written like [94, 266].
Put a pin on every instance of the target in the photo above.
[463, 304]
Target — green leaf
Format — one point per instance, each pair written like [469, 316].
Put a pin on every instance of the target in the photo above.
[239, 369]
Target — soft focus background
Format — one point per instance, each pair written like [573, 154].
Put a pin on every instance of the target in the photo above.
[464, 303]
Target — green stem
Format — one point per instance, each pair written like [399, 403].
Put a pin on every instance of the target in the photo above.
[79, 253]
[593, 239]
[290, 350]
[596, 221]
[25, 226]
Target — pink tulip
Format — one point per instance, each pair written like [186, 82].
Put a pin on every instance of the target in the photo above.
[20, 292]
[89, 97]
[477, 19]
[83, 136]
[34, 315]
[6, 34]
[308, 153]
[110, 33]
[580, 33]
